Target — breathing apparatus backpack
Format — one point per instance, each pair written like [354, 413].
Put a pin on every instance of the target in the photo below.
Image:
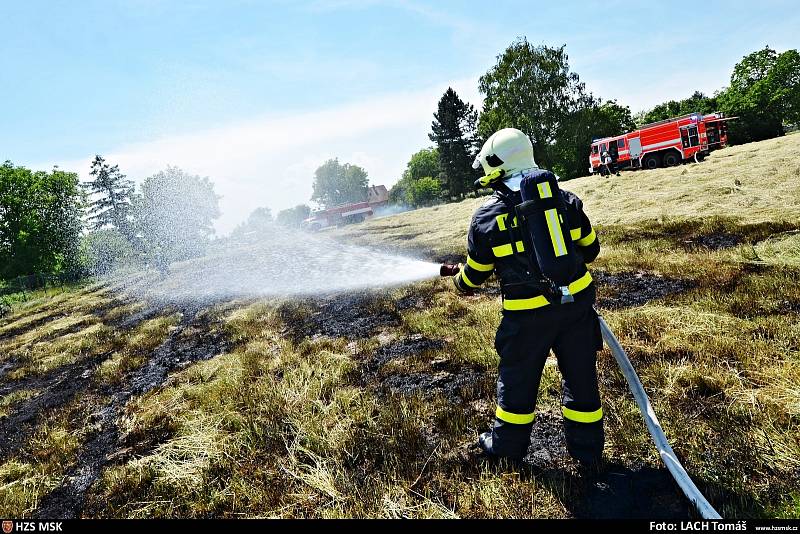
[542, 219]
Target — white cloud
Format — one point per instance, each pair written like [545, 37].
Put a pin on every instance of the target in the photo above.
[270, 161]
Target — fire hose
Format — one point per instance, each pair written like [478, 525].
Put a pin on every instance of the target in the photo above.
[654, 427]
[668, 456]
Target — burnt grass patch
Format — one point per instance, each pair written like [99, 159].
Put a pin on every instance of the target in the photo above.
[613, 491]
[198, 336]
[455, 385]
[638, 492]
[714, 233]
[438, 376]
[548, 447]
[628, 289]
[403, 348]
[714, 241]
[350, 316]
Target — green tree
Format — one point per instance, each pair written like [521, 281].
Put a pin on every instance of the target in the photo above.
[112, 194]
[422, 163]
[764, 93]
[530, 88]
[40, 221]
[259, 221]
[697, 103]
[174, 215]
[591, 119]
[454, 130]
[105, 250]
[293, 217]
[424, 192]
[397, 194]
[336, 183]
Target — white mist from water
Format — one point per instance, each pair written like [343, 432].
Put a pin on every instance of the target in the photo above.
[284, 262]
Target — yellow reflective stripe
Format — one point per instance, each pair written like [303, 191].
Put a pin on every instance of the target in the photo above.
[506, 250]
[501, 221]
[588, 240]
[544, 190]
[514, 418]
[537, 302]
[575, 234]
[485, 267]
[559, 248]
[582, 417]
[581, 283]
[525, 304]
[466, 280]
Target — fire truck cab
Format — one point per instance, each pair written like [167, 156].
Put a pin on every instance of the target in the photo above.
[662, 144]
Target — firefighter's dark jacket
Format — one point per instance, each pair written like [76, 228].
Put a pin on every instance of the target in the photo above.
[491, 249]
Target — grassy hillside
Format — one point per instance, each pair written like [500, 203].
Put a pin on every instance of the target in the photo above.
[750, 184]
[368, 404]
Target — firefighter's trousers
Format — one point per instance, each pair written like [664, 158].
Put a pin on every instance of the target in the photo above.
[523, 342]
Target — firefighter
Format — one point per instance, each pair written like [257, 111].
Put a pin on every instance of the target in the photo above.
[531, 325]
[608, 163]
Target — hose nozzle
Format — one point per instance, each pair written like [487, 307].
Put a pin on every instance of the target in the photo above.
[448, 269]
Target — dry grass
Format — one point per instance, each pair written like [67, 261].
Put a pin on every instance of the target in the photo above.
[40, 466]
[135, 348]
[283, 429]
[782, 249]
[291, 423]
[753, 183]
[7, 402]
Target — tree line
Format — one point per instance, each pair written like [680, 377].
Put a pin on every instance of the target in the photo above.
[764, 93]
[51, 223]
[532, 88]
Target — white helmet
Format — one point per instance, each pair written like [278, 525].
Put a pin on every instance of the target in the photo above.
[508, 149]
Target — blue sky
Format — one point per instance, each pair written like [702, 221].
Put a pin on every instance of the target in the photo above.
[255, 95]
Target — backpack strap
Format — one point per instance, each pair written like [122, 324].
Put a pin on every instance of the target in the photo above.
[549, 290]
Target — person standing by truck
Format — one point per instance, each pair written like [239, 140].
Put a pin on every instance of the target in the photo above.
[608, 164]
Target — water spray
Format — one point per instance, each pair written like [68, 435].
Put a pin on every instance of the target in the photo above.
[283, 262]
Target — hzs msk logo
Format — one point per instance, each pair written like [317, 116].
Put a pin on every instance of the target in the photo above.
[8, 526]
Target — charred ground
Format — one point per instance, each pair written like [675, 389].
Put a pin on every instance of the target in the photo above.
[368, 404]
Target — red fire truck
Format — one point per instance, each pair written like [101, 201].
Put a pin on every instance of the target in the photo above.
[377, 197]
[663, 143]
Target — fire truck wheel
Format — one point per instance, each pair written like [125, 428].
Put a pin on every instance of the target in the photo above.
[651, 161]
[671, 158]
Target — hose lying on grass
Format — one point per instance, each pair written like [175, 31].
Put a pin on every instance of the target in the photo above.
[664, 449]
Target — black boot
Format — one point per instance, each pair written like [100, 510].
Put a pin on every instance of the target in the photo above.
[485, 443]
